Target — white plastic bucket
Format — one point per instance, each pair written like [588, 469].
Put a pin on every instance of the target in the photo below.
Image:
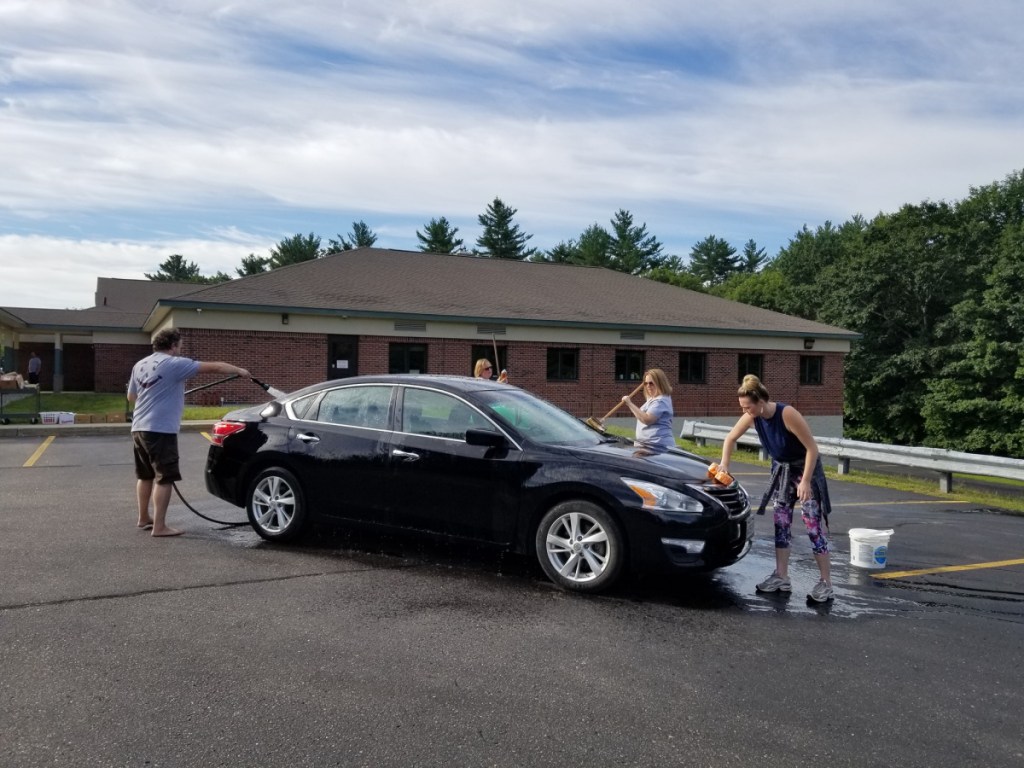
[869, 548]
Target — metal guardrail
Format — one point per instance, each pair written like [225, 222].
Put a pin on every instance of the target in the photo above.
[939, 460]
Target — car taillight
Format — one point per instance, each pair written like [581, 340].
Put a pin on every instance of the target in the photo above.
[224, 428]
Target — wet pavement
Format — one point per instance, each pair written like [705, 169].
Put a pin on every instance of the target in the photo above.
[217, 648]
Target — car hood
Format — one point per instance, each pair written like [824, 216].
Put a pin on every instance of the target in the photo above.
[677, 464]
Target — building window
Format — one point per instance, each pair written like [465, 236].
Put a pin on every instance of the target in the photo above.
[629, 364]
[811, 367]
[563, 364]
[750, 364]
[486, 351]
[693, 367]
[407, 358]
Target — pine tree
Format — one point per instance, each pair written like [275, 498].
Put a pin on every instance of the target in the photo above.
[439, 237]
[501, 239]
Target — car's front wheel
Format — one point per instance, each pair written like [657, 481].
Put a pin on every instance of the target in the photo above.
[580, 547]
[276, 505]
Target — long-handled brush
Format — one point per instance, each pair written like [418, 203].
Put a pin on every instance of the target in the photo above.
[598, 424]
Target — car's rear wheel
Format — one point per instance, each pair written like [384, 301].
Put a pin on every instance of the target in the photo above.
[580, 547]
[276, 505]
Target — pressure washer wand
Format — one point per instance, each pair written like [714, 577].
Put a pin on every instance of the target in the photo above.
[211, 384]
[273, 392]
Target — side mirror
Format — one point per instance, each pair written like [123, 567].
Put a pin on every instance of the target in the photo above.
[485, 437]
[271, 409]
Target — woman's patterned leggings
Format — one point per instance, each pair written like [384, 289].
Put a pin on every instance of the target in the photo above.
[817, 528]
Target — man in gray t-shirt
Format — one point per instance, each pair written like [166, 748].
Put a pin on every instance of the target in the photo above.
[157, 389]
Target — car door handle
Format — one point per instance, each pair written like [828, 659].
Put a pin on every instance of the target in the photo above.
[408, 456]
[307, 437]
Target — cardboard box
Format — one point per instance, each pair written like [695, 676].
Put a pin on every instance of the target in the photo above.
[116, 417]
[56, 417]
[83, 418]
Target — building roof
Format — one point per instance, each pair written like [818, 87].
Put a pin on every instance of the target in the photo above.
[137, 295]
[377, 282]
[120, 305]
[411, 284]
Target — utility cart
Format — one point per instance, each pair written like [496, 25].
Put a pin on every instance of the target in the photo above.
[10, 395]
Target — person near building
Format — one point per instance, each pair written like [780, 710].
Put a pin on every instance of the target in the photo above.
[483, 370]
[654, 417]
[157, 390]
[796, 476]
[35, 365]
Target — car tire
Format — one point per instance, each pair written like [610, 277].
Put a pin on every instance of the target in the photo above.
[276, 505]
[580, 547]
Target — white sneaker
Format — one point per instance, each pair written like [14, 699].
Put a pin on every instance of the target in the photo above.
[775, 583]
[822, 592]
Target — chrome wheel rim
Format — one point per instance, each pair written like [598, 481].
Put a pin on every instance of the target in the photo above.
[273, 504]
[578, 547]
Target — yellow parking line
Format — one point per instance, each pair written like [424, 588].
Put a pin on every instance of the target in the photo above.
[39, 451]
[204, 434]
[947, 569]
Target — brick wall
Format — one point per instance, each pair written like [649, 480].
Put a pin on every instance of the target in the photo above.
[597, 391]
[286, 361]
[114, 364]
[290, 361]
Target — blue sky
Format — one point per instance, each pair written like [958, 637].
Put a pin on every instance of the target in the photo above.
[132, 130]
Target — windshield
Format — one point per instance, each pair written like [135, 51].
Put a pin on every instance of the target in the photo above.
[536, 419]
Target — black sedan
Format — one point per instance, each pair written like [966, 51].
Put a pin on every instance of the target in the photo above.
[478, 460]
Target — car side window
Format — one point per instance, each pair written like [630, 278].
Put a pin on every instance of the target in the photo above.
[356, 406]
[301, 406]
[436, 414]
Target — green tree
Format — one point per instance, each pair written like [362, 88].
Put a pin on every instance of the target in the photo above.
[360, 237]
[671, 270]
[752, 258]
[294, 250]
[175, 269]
[253, 265]
[631, 249]
[767, 289]
[593, 249]
[501, 239]
[595, 246]
[439, 237]
[713, 260]
[809, 254]
[974, 403]
[564, 252]
[893, 282]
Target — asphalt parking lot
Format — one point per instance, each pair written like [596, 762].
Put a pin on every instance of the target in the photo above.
[353, 649]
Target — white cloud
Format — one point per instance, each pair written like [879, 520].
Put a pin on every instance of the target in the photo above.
[60, 273]
[179, 119]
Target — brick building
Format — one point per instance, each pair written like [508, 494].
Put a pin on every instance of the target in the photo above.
[578, 336]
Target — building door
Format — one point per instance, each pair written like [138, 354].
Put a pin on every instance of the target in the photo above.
[342, 357]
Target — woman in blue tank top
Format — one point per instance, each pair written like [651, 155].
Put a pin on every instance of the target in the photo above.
[797, 475]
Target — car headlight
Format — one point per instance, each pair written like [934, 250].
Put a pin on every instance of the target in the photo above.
[658, 497]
